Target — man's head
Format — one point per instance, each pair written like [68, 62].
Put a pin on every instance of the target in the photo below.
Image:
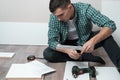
[62, 9]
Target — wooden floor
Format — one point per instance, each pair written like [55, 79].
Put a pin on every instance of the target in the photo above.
[22, 51]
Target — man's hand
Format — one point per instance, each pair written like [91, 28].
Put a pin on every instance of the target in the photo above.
[73, 54]
[88, 47]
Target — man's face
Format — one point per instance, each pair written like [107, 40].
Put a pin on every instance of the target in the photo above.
[63, 14]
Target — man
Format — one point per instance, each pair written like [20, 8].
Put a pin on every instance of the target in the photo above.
[71, 24]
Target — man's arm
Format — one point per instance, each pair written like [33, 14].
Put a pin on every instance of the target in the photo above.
[103, 34]
[108, 26]
[53, 32]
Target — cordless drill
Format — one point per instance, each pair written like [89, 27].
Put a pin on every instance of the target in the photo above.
[76, 71]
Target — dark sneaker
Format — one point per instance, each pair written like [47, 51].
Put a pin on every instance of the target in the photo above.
[93, 58]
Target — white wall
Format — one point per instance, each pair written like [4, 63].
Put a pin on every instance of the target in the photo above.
[24, 22]
[111, 8]
[30, 10]
[24, 10]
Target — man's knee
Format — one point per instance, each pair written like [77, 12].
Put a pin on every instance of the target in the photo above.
[110, 39]
[48, 55]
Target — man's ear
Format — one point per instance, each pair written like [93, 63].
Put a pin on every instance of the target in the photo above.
[69, 6]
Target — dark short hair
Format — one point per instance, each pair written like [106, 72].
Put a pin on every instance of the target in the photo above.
[54, 4]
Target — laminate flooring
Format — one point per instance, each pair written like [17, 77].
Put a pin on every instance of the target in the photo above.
[23, 51]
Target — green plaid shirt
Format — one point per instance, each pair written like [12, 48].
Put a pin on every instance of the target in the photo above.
[85, 15]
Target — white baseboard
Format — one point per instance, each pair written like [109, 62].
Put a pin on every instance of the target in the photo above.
[23, 33]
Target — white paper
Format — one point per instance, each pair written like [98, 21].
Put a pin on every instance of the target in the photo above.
[33, 69]
[107, 73]
[70, 47]
[68, 71]
[22, 71]
[7, 54]
[42, 68]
